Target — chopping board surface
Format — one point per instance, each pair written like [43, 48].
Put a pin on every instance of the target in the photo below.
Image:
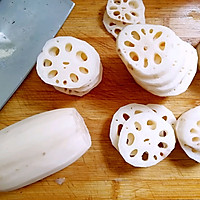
[102, 173]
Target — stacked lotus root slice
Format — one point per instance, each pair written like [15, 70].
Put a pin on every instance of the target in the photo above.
[71, 65]
[157, 58]
[188, 133]
[120, 13]
[143, 134]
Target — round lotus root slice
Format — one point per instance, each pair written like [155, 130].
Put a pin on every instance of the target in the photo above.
[68, 62]
[164, 113]
[83, 90]
[149, 50]
[169, 80]
[121, 116]
[188, 132]
[182, 85]
[128, 11]
[146, 139]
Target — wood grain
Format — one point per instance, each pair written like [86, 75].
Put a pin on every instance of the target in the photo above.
[102, 173]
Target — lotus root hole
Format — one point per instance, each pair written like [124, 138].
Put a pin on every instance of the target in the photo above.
[162, 145]
[145, 62]
[155, 157]
[151, 124]
[54, 51]
[119, 129]
[128, 17]
[117, 31]
[133, 4]
[65, 82]
[83, 70]
[125, 1]
[161, 153]
[133, 153]
[47, 63]
[162, 46]
[52, 73]
[126, 116]
[74, 77]
[157, 58]
[145, 48]
[193, 130]
[81, 55]
[165, 118]
[151, 30]
[134, 56]
[145, 156]
[195, 139]
[113, 8]
[157, 35]
[137, 112]
[130, 139]
[117, 2]
[116, 13]
[134, 14]
[198, 123]
[143, 31]
[65, 63]
[68, 47]
[138, 126]
[57, 81]
[112, 24]
[135, 35]
[129, 44]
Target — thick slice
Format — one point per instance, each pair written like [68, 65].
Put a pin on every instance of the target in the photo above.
[164, 113]
[188, 132]
[68, 62]
[128, 11]
[121, 116]
[146, 139]
[149, 51]
[113, 26]
[41, 145]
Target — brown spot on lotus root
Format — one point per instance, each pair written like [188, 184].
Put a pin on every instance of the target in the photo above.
[130, 139]
[143, 31]
[117, 31]
[116, 13]
[165, 118]
[145, 62]
[117, 2]
[193, 130]
[195, 139]
[162, 145]
[137, 112]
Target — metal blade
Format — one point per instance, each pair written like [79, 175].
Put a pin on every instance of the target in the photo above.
[25, 26]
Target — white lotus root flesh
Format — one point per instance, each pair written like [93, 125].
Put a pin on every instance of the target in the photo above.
[157, 58]
[143, 136]
[188, 132]
[69, 63]
[128, 11]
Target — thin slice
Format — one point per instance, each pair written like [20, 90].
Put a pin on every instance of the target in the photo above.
[188, 132]
[148, 145]
[128, 11]
[121, 116]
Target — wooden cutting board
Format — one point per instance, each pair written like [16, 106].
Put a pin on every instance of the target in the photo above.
[102, 173]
